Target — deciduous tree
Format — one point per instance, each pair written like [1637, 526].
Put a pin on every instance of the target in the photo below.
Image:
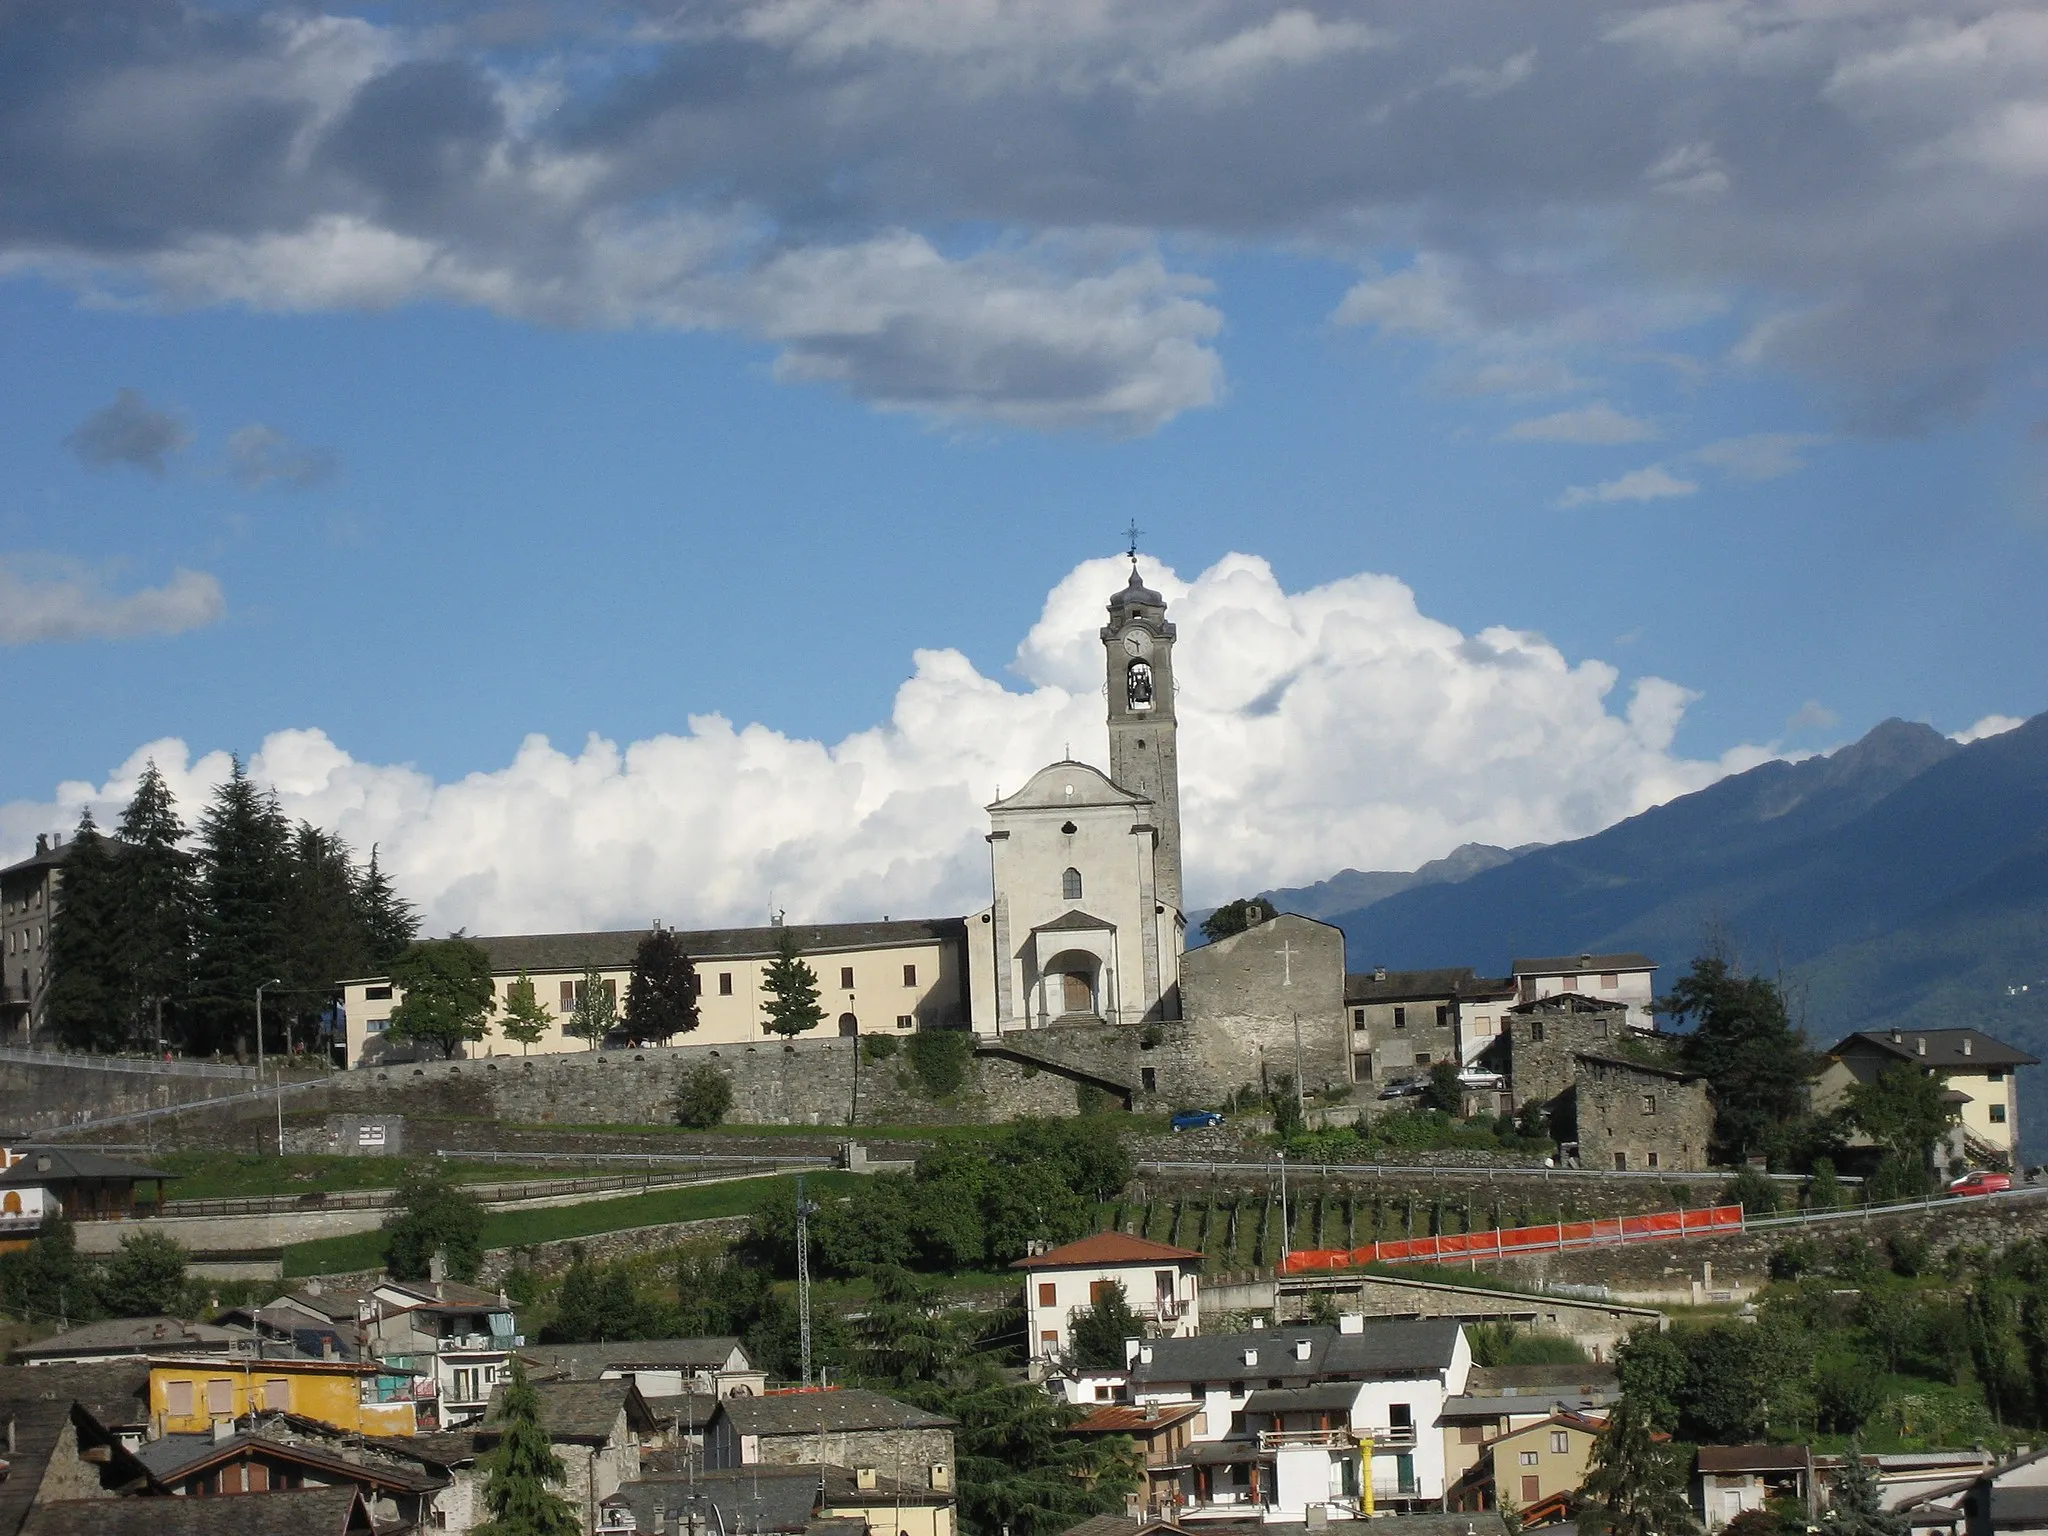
[145, 1277]
[1902, 1110]
[1236, 917]
[596, 1013]
[526, 1019]
[449, 995]
[661, 994]
[434, 1215]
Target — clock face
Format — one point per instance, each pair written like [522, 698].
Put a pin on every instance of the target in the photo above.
[1134, 643]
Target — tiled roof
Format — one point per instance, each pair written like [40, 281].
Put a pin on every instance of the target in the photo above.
[1104, 1248]
[1582, 965]
[540, 952]
[1134, 1419]
[1945, 1048]
[837, 1408]
[301, 1511]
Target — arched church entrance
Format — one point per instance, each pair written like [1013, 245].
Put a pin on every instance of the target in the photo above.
[1073, 985]
[848, 1024]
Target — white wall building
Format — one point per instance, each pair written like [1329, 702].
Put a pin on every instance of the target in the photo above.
[1628, 979]
[1160, 1283]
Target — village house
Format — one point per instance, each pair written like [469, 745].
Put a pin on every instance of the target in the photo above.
[1500, 1398]
[134, 1337]
[336, 1511]
[1162, 1433]
[1980, 1071]
[1161, 1284]
[1530, 1471]
[1729, 1480]
[190, 1395]
[800, 1500]
[660, 1368]
[837, 1426]
[1625, 979]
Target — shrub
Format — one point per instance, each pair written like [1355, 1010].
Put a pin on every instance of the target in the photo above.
[434, 1215]
[1753, 1191]
[1801, 1256]
[939, 1057]
[1912, 1254]
[704, 1099]
[877, 1047]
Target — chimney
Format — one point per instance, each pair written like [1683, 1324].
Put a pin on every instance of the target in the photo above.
[1251, 1357]
[313, 1286]
[1585, 962]
[1302, 1349]
[1132, 1349]
[1151, 1412]
[1144, 1354]
[1351, 1322]
[42, 843]
[437, 1269]
[1920, 1044]
[1379, 973]
[1966, 1045]
[327, 1349]
[1897, 1038]
[223, 1429]
[866, 1479]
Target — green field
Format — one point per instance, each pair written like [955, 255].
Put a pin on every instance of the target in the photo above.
[231, 1175]
[519, 1229]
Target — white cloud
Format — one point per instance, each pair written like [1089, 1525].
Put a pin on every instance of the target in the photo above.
[61, 600]
[1598, 423]
[260, 455]
[1990, 725]
[1759, 456]
[1322, 728]
[1812, 716]
[1652, 483]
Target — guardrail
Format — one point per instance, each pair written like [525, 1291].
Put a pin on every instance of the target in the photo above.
[1453, 1171]
[378, 1199]
[743, 1159]
[1505, 1242]
[94, 1061]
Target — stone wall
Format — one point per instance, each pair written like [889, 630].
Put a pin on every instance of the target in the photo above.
[1545, 1036]
[1243, 998]
[551, 1259]
[46, 1095]
[915, 1451]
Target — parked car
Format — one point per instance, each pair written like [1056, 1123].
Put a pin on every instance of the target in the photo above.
[1982, 1182]
[1403, 1090]
[1196, 1119]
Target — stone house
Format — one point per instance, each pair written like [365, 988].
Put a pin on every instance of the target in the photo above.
[596, 1427]
[1628, 1115]
[28, 900]
[1402, 1022]
[806, 1499]
[660, 1368]
[337, 1511]
[1982, 1072]
[1268, 1004]
[839, 1426]
[1541, 1039]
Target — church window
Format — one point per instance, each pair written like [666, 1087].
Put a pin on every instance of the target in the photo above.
[910, 975]
[725, 983]
[1070, 885]
[846, 976]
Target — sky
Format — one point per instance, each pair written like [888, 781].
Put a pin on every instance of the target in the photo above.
[637, 461]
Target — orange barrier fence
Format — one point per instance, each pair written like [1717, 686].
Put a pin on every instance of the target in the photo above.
[1505, 1242]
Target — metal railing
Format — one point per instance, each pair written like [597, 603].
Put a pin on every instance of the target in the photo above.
[736, 1159]
[94, 1061]
[1271, 1169]
[378, 1199]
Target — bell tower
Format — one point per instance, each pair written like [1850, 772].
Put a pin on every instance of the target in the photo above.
[1137, 643]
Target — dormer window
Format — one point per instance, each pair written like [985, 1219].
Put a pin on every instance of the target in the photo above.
[1070, 885]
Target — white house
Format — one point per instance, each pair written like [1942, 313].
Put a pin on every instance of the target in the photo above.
[1291, 1416]
[1628, 979]
[1159, 1281]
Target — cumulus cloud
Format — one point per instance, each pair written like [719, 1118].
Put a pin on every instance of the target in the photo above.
[259, 455]
[1542, 208]
[1812, 716]
[1990, 725]
[1759, 456]
[1340, 725]
[1598, 423]
[130, 431]
[61, 600]
[1652, 483]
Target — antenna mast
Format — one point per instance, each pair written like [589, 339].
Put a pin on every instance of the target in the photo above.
[803, 1277]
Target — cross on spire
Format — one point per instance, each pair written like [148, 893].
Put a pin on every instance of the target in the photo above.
[1132, 534]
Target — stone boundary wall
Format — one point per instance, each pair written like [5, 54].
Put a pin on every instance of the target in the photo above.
[49, 1094]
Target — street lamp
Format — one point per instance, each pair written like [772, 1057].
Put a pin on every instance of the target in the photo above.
[273, 982]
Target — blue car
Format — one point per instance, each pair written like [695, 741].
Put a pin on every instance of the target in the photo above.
[1196, 1119]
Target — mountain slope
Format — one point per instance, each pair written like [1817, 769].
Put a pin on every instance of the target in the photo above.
[1353, 890]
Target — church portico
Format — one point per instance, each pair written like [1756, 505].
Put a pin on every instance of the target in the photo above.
[1074, 962]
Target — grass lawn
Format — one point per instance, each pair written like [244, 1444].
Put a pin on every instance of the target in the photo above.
[518, 1229]
[1137, 1125]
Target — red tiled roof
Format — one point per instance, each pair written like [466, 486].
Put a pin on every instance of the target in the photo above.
[1131, 1419]
[1104, 1248]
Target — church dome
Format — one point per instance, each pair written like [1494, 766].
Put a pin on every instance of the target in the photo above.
[1136, 594]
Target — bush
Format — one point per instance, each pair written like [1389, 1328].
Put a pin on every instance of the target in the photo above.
[1801, 1256]
[939, 1057]
[1755, 1192]
[435, 1215]
[1443, 1091]
[1912, 1254]
[704, 1099]
[877, 1047]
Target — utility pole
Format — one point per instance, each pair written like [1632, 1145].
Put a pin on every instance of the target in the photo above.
[273, 982]
[1286, 1226]
[1300, 1100]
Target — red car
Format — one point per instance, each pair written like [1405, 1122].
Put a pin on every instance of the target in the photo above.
[1981, 1182]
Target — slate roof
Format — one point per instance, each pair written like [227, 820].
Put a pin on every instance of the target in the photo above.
[1406, 986]
[1944, 1048]
[1539, 1380]
[1327, 1396]
[1104, 1248]
[1135, 592]
[584, 1412]
[175, 1457]
[1571, 1002]
[590, 1360]
[1582, 964]
[1755, 1458]
[37, 1424]
[69, 1163]
[1389, 1350]
[537, 953]
[1627, 1064]
[832, 1409]
[301, 1511]
[114, 1392]
[139, 1335]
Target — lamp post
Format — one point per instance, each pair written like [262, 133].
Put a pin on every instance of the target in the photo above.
[273, 982]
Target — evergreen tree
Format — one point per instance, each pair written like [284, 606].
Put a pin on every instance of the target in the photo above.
[906, 1332]
[159, 900]
[449, 995]
[596, 1013]
[1858, 1510]
[1633, 1484]
[1099, 1332]
[244, 884]
[661, 995]
[792, 989]
[326, 939]
[389, 923]
[1746, 1046]
[526, 1019]
[89, 1002]
[1236, 916]
[525, 1471]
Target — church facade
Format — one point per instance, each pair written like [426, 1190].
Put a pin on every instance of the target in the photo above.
[1085, 923]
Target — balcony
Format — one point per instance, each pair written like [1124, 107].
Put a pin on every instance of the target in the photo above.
[1393, 1437]
[1310, 1439]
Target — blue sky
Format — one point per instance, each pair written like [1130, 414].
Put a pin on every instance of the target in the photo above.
[751, 413]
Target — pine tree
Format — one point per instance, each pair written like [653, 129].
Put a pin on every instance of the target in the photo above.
[526, 1019]
[158, 902]
[596, 1013]
[1858, 1509]
[389, 922]
[89, 1004]
[661, 995]
[325, 940]
[792, 988]
[244, 886]
[524, 1470]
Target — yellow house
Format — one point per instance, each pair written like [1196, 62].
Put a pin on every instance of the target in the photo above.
[886, 978]
[190, 1395]
[1527, 1466]
[1977, 1071]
